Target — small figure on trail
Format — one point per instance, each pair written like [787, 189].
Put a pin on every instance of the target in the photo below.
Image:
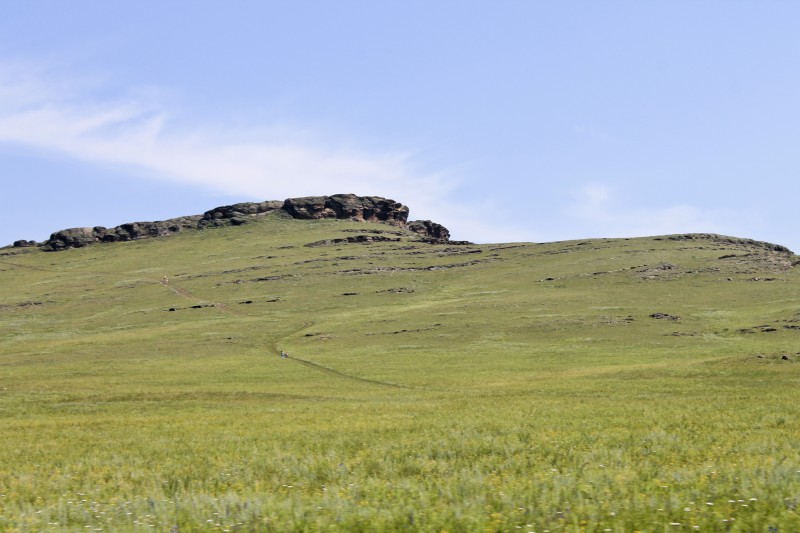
[284, 355]
[165, 281]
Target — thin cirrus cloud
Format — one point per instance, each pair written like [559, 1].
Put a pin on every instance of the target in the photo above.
[137, 135]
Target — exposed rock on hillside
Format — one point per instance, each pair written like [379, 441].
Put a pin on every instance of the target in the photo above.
[79, 237]
[356, 239]
[237, 214]
[348, 206]
[339, 206]
[725, 240]
[431, 231]
[73, 238]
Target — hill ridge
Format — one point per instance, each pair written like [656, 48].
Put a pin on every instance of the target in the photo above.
[339, 206]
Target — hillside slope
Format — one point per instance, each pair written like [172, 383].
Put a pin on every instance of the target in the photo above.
[590, 384]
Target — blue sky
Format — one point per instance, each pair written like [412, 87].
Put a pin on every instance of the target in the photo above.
[503, 120]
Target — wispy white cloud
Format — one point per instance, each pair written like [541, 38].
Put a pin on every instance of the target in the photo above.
[139, 134]
[596, 206]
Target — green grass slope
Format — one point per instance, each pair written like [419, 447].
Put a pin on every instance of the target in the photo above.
[604, 385]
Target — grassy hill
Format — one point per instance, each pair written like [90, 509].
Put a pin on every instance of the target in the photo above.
[603, 385]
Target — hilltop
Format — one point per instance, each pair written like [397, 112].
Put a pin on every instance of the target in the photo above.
[338, 206]
[623, 384]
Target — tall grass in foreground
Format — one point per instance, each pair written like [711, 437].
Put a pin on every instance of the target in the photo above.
[590, 460]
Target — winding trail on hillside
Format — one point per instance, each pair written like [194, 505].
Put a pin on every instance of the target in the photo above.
[339, 373]
[276, 347]
[333, 371]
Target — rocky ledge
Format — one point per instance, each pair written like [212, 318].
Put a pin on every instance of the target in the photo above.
[339, 206]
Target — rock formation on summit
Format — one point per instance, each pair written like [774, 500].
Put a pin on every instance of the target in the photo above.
[79, 237]
[237, 214]
[339, 206]
[348, 206]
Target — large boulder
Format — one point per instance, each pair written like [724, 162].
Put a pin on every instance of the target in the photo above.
[431, 231]
[71, 238]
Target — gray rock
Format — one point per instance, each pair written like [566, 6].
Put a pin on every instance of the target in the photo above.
[349, 207]
[236, 214]
[431, 231]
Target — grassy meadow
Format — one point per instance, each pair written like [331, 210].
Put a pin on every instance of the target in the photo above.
[507, 387]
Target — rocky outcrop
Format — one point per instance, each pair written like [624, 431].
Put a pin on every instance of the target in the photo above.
[339, 206]
[142, 230]
[348, 206]
[726, 240]
[71, 238]
[236, 214]
[430, 231]
[80, 237]
[356, 239]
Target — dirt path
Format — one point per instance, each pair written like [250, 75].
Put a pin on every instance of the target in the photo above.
[333, 371]
[180, 291]
[276, 347]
